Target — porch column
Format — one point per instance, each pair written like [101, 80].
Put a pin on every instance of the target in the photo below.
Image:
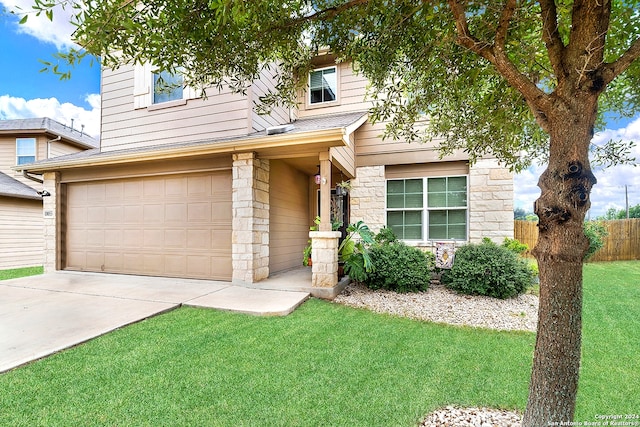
[250, 210]
[50, 212]
[324, 257]
[325, 192]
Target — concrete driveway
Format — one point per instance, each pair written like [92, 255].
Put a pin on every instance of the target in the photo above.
[41, 315]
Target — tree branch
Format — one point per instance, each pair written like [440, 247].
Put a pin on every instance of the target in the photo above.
[538, 101]
[612, 70]
[503, 26]
[551, 35]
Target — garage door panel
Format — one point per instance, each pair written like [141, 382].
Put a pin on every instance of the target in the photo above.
[175, 212]
[153, 213]
[132, 238]
[113, 214]
[95, 261]
[178, 225]
[132, 214]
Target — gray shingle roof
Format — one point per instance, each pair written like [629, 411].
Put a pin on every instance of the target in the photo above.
[51, 126]
[10, 187]
[310, 124]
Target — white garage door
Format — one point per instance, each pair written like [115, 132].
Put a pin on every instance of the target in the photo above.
[172, 225]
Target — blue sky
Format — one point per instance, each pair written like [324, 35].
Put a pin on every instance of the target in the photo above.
[25, 93]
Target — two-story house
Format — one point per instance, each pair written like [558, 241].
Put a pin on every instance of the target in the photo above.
[204, 187]
[25, 141]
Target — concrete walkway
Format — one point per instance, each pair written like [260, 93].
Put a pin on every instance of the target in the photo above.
[41, 315]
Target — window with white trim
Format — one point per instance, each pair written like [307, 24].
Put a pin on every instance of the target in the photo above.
[428, 208]
[323, 85]
[167, 87]
[171, 90]
[25, 150]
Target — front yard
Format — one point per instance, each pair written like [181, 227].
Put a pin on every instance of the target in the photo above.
[325, 364]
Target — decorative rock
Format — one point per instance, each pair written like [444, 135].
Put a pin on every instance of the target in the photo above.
[440, 305]
[472, 417]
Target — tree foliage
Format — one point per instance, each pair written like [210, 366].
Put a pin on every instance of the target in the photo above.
[613, 213]
[410, 50]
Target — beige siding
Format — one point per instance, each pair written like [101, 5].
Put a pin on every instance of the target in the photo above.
[351, 95]
[373, 150]
[278, 115]
[59, 148]
[220, 115]
[426, 169]
[21, 233]
[345, 159]
[8, 156]
[288, 217]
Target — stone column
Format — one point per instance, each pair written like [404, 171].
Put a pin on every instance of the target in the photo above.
[250, 206]
[367, 197]
[490, 201]
[324, 257]
[50, 212]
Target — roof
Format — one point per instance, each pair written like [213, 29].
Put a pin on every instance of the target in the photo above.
[335, 125]
[45, 124]
[10, 187]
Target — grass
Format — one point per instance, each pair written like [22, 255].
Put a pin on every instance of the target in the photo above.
[20, 272]
[325, 364]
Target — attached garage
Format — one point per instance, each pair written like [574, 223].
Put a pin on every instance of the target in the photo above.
[176, 225]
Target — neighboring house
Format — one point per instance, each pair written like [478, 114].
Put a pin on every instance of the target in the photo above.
[206, 188]
[21, 218]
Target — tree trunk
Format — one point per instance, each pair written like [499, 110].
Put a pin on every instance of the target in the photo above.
[561, 208]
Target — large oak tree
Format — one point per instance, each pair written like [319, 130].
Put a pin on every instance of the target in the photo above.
[497, 77]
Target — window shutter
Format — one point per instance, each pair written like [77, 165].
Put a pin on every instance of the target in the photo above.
[142, 86]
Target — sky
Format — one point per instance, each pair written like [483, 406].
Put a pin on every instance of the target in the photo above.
[27, 93]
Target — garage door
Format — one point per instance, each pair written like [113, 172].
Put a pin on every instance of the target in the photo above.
[172, 225]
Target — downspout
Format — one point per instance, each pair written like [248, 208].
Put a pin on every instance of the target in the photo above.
[25, 173]
[58, 138]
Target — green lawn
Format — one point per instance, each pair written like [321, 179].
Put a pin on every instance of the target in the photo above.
[20, 272]
[325, 364]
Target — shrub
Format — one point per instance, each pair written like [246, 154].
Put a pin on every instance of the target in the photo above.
[514, 245]
[401, 268]
[386, 235]
[488, 269]
[595, 232]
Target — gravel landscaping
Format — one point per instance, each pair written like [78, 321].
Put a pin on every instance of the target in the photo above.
[439, 304]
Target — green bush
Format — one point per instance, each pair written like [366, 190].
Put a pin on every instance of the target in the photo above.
[488, 269]
[401, 268]
[515, 245]
[595, 232]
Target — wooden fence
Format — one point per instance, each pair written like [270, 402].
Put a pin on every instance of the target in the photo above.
[622, 243]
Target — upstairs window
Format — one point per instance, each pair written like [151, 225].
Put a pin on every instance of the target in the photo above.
[167, 87]
[323, 85]
[25, 150]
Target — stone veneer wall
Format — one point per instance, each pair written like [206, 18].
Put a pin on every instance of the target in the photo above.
[250, 206]
[490, 201]
[367, 197]
[49, 206]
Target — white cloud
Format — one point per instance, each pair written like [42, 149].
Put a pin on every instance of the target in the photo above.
[609, 192]
[57, 32]
[20, 108]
